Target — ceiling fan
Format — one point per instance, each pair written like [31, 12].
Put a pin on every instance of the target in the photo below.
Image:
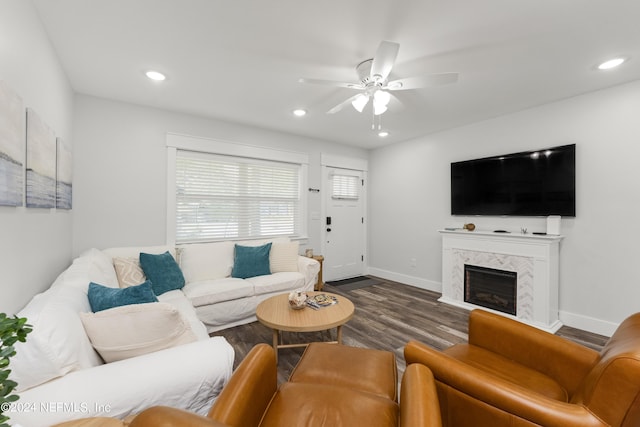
[373, 81]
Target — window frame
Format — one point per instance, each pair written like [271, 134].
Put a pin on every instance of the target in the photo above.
[177, 142]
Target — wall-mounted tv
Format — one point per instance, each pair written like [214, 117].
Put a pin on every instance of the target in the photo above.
[531, 183]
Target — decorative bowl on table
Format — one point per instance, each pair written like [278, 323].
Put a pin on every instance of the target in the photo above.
[297, 300]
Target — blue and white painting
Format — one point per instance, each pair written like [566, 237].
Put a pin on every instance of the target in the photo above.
[41, 163]
[11, 147]
[64, 177]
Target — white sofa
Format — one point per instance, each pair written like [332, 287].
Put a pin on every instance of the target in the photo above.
[222, 301]
[61, 376]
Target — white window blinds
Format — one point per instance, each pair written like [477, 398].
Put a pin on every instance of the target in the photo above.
[225, 197]
[345, 187]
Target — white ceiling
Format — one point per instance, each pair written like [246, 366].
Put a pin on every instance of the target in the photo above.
[240, 60]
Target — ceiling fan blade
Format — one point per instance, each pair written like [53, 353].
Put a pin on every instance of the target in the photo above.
[422, 81]
[343, 104]
[384, 59]
[332, 83]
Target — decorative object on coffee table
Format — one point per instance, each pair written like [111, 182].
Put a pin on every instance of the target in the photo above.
[298, 300]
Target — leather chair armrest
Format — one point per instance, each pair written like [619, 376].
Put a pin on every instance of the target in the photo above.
[563, 360]
[247, 395]
[162, 416]
[419, 405]
[501, 394]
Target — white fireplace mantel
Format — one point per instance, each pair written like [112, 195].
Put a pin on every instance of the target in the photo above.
[535, 259]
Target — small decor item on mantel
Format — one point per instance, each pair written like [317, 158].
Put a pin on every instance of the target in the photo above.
[469, 227]
[298, 300]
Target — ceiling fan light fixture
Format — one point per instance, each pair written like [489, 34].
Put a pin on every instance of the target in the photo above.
[360, 102]
[379, 109]
[380, 101]
[381, 97]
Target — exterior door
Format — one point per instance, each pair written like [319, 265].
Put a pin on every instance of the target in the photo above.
[344, 225]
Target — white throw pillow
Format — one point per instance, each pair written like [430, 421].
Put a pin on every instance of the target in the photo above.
[129, 272]
[283, 257]
[206, 261]
[58, 343]
[133, 330]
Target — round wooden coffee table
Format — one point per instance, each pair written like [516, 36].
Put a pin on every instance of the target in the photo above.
[275, 313]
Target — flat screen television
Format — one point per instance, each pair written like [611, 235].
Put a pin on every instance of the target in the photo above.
[531, 183]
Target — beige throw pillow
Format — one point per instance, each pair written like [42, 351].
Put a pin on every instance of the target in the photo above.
[129, 272]
[133, 330]
[283, 257]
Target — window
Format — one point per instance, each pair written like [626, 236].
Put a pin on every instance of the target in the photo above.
[224, 197]
[345, 187]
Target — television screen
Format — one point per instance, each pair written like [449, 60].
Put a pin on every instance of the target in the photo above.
[532, 183]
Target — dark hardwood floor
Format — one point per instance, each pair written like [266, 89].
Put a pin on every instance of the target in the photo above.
[387, 316]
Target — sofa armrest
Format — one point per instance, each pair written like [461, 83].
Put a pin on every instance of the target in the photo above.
[563, 360]
[309, 268]
[419, 405]
[499, 393]
[188, 376]
[246, 397]
[162, 416]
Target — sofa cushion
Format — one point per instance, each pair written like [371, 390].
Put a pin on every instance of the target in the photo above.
[276, 282]
[206, 261]
[251, 261]
[329, 406]
[210, 292]
[133, 330]
[163, 271]
[104, 298]
[91, 266]
[226, 314]
[128, 271]
[179, 300]
[58, 343]
[283, 257]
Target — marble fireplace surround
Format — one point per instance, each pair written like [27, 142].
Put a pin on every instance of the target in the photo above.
[534, 258]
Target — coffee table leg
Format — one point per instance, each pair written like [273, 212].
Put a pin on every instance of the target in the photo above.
[339, 334]
[276, 341]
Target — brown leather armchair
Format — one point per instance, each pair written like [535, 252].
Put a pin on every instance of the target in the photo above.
[252, 398]
[512, 374]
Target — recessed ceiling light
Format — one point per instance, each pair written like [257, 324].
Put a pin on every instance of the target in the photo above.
[299, 112]
[612, 63]
[383, 134]
[155, 75]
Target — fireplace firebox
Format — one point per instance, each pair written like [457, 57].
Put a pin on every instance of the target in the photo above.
[491, 288]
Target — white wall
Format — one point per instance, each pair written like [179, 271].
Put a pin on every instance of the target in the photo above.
[35, 244]
[120, 175]
[599, 283]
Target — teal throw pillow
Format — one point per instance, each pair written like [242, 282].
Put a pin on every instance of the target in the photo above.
[163, 271]
[251, 261]
[103, 297]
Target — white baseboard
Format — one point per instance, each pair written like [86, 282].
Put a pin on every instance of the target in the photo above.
[587, 323]
[418, 282]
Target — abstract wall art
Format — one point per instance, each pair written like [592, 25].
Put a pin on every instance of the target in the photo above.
[41, 163]
[64, 182]
[11, 147]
